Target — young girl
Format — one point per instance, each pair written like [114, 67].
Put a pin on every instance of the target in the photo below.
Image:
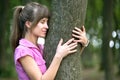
[30, 23]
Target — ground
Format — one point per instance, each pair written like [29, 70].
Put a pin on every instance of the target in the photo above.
[88, 74]
[94, 74]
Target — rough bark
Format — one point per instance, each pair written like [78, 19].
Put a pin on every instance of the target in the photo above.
[66, 14]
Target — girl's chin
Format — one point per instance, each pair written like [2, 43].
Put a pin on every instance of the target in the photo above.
[43, 36]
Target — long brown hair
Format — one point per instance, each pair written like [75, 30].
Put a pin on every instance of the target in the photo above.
[32, 12]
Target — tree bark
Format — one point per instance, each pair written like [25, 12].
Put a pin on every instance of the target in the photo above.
[107, 56]
[66, 14]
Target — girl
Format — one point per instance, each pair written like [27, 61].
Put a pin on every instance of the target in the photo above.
[29, 23]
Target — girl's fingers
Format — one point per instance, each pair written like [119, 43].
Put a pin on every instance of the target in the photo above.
[72, 51]
[60, 42]
[76, 36]
[83, 29]
[69, 41]
[72, 44]
[77, 29]
[76, 32]
[78, 41]
[73, 47]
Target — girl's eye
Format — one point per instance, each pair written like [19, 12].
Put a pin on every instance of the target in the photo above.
[43, 21]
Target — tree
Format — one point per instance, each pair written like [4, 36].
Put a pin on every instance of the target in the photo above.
[106, 37]
[66, 14]
[4, 29]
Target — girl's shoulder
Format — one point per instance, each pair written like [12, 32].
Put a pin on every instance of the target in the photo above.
[22, 51]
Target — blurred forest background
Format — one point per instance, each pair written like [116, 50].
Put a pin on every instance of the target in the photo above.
[100, 60]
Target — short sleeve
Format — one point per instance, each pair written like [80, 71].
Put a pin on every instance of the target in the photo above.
[21, 52]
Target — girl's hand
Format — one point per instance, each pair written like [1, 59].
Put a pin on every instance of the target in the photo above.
[66, 48]
[80, 36]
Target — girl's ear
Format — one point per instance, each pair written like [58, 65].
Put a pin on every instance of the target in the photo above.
[28, 24]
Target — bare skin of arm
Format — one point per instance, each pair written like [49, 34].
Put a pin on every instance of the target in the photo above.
[34, 72]
[32, 69]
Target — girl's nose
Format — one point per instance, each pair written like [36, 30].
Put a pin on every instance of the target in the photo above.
[46, 26]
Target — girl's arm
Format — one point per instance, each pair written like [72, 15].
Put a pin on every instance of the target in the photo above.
[34, 72]
[32, 69]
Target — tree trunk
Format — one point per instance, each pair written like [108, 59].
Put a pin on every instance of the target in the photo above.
[4, 29]
[66, 14]
[107, 57]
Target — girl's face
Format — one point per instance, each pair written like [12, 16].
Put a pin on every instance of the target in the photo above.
[41, 28]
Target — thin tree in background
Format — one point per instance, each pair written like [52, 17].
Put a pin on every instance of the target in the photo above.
[66, 14]
[107, 55]
[4, 30]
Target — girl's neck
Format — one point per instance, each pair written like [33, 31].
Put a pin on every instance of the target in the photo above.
[31, 38]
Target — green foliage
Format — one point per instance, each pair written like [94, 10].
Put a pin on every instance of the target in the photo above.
[117, 8]
[8, 72]
[94, 25]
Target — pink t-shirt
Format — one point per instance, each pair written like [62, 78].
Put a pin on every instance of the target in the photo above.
[27, 48]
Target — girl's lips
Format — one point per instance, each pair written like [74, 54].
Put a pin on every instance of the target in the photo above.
[44, 32]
